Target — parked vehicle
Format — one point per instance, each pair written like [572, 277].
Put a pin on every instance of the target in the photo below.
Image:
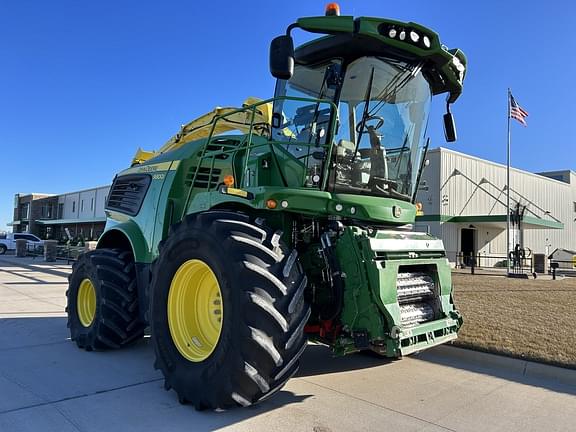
[8, 242]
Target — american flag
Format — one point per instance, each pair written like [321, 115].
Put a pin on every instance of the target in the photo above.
[516, 111]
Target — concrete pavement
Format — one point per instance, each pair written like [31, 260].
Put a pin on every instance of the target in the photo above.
[47, 384]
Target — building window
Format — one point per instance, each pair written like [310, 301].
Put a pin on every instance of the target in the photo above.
[60, 210]
[24, 211]
[92, 204]
[73, 206]
[82, 205]
[575, 207]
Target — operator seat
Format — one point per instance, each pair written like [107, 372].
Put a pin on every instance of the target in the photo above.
[379, 165]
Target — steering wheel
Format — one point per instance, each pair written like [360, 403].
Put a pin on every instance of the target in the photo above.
[370, 118]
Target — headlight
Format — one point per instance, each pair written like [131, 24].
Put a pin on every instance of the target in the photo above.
[458, 64]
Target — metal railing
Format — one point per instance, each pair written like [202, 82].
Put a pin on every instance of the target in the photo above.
[208, 159]
[483, 261]
[489, 261]
[558, 267]
[63, 252]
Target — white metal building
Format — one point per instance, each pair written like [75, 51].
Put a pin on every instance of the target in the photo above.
[464, 203]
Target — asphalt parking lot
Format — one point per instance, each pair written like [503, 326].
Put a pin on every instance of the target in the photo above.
[47, 384]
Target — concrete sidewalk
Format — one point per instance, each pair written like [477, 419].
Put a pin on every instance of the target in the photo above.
[47, 384]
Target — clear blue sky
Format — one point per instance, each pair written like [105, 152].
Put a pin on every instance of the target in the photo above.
[83, 84]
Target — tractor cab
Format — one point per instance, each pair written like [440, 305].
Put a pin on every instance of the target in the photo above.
[353, 106]
[378, 139]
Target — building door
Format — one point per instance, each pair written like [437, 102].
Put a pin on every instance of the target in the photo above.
[468, 244]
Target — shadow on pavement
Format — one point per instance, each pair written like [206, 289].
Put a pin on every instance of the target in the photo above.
[520, 371]
[318, 360]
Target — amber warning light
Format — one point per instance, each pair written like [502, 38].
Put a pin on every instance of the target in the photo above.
[419, 209]
[332, 9]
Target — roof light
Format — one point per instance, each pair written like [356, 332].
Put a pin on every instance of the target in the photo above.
[332, 9]
[414, 36]
[402, 35]
[426, 41]
[392, 33]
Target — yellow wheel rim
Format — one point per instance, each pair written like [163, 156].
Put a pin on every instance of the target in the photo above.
[86, 302]
[195, 310]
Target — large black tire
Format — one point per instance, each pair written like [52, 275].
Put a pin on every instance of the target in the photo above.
[264, 313]
[116, 321]
[3, 249]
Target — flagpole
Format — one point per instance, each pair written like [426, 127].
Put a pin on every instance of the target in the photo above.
[508, 192]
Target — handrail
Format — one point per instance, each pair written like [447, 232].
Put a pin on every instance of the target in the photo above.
[248, 145]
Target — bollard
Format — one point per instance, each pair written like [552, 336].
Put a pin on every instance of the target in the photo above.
[90, 245]
[554, 266]
[21, 247]
[50, 248]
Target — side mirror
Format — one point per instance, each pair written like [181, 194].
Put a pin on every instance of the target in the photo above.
[282, 57]
[449, 127]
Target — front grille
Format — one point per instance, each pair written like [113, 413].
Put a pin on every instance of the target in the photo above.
[416, 313]
[127, 193]
[416, 293]
[216, 147]
[414, 286]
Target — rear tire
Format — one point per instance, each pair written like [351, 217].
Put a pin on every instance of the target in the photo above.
[3, 249]
[263, 311]
[109, 318]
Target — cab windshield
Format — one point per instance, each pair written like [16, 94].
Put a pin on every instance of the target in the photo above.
[383, 112]
[383, 107]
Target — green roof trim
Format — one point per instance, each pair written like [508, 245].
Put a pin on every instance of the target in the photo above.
[433, 218]
[489, 219]
[542, 222]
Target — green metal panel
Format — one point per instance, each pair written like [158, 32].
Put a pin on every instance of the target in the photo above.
[327, 24]
[370, 299]
[131, 230]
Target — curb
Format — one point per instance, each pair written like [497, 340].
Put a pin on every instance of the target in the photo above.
[480, 361]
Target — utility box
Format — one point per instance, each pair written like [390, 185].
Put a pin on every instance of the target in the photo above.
[540, 263]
